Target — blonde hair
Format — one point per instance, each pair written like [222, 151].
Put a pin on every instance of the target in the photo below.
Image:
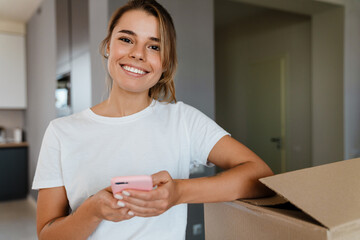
[164, 89]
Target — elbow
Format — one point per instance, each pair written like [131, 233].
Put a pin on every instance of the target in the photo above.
[264, 170]
[252, 186]
[259, 189]
[40, 234]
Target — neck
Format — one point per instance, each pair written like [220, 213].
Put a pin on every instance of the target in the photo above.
[121, 103]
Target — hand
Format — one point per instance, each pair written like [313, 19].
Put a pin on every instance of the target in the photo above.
[154, 202]
[105, 207]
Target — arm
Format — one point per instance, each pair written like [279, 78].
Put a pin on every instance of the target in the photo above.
[53, 221]
[240, 180]
[242, 168]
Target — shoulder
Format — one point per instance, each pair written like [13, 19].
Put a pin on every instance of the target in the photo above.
[179, 107]
[180, 111]
[71, 121]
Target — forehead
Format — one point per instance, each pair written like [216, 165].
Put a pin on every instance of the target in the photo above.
[140, 22]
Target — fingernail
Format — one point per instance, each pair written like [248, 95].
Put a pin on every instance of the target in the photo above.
[118, 196]
[120, 204]
[126, 193]
[131, 213]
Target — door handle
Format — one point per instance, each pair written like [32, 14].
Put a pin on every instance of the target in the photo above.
[276, 140]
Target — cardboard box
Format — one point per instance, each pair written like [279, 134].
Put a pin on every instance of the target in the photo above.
[315, 203]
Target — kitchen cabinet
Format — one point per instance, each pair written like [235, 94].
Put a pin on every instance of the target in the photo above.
[13, 171]
[13, 71]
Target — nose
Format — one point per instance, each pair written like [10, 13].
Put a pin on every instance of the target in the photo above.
[138, 53]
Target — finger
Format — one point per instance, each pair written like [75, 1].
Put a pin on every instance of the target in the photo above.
[110, 201]
[124, 213]
[139, 214]
[152, 195]
[108, 189]
[157, 204]
[160, 178]
[119, 215]
[114, 204]
[141, 211]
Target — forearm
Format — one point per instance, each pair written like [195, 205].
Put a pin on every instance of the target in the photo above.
[238, 182]
[78, 225]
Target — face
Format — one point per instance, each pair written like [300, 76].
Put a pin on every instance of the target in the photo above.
[134, 61]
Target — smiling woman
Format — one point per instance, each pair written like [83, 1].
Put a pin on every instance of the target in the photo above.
[134, 60]
[163, 39]
[139, 130]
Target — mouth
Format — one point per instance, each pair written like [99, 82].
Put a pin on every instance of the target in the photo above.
[134, 70]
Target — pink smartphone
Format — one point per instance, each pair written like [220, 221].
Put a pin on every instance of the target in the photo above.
[140, 182]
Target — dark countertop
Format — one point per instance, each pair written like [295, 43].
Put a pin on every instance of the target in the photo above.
[13, 145]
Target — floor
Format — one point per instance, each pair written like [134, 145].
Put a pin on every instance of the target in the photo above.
[18, 220]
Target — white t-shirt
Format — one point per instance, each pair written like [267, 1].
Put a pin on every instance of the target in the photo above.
[84, 151]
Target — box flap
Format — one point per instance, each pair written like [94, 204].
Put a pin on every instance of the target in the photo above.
[329, 193]
[268, 201]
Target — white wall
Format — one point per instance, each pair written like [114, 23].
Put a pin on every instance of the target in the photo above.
[13, 71]
[41, 69]
[335, 89]
[41, 76]
[327, 86]
[81, 82]
[195, 80]
[98, 18]
[12, 27]
[12, 118]
[63, 51]
[352, 79]
[267, 35]
[80, 56]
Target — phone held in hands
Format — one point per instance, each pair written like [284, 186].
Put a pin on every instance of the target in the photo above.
[139, 182]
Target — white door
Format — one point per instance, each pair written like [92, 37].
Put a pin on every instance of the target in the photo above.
[265, 112]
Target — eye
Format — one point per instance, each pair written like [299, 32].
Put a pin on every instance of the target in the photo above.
[125, 40]
[154, 47]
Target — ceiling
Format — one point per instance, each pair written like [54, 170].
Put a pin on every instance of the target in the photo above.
[22, 10]
[18, 10]
[307, 7]
[228, 11]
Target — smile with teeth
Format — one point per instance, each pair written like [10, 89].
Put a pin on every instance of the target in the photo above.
[133, 70]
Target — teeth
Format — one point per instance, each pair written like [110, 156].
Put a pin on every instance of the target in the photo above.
[134, 70]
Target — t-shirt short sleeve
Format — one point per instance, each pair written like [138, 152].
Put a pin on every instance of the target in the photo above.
[48, 171]
[203, 134]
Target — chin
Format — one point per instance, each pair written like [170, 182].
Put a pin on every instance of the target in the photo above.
[132, 89]
[135, 88]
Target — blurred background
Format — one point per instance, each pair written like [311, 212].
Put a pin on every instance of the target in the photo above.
[283, 77]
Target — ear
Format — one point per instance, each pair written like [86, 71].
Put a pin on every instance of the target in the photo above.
[107, 48]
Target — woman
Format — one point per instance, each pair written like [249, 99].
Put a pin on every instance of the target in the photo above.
[134, 133]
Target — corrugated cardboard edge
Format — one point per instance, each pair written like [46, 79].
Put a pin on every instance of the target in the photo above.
[268, 201]
[241, 220]
[336, 177]
[261, 210]
[349, 231]
[284, 198]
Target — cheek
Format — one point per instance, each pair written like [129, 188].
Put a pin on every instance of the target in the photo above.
[115, 55]
[110, 66]
[157, 64]
[117, 48]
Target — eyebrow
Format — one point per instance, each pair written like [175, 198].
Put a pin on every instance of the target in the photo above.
[134, 34]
